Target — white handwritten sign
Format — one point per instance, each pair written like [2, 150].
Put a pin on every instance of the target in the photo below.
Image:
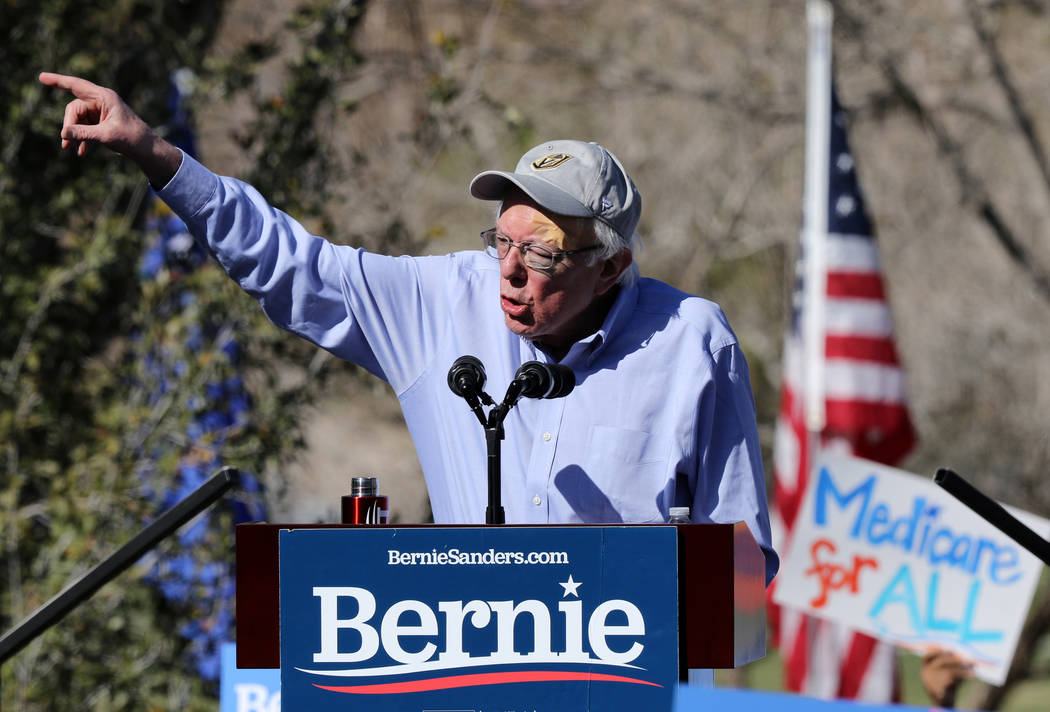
[893, 555]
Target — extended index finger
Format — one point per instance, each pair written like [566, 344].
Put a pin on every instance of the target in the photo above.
[82, 88]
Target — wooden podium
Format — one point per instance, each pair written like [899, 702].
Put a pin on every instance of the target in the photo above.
[721, 591]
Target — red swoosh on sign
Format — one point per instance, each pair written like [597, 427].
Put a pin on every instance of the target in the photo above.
[487, 678]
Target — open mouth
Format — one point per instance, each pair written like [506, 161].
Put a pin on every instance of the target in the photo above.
[512, 307]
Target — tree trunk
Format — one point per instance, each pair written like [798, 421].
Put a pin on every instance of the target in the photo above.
[991, 697]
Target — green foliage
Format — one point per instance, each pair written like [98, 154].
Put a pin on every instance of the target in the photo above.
[293, 165]
[80, 417]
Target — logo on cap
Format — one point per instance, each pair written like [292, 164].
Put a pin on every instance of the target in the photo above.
[551, 160]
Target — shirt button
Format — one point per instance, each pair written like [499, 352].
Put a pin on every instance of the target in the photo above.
[546, 437]
[536, 500]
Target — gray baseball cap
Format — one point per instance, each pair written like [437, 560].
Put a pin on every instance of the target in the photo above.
[573, 178]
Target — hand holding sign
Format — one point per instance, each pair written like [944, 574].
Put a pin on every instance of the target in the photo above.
[941, 673]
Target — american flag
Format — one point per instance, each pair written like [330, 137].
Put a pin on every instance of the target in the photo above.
[865, 415]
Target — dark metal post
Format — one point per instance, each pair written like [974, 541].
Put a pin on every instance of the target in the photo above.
[55, 609]
[993, 512]
[494, 512]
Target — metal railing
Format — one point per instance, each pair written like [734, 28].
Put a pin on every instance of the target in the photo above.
[54, 610]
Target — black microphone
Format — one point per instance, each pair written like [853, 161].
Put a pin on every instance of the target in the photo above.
[466, 378]
[545, 380]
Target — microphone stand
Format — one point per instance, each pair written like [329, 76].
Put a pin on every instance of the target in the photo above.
[533, 379]
[494, 513]
[493, 426]
[475, 406]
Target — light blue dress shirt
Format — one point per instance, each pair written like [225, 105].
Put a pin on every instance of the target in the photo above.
[662, 414]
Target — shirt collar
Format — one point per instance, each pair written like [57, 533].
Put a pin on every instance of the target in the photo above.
[619, 315]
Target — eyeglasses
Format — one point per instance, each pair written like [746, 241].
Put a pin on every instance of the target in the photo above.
[535, 254]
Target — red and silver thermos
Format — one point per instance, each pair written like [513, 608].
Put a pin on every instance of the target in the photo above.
[364, 504]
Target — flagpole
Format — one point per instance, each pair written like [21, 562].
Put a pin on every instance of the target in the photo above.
[815, 217]
[814, 278]
[823, 659]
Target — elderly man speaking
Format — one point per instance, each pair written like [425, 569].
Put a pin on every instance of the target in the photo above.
[662, 414]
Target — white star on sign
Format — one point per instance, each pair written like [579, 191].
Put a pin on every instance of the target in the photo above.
[570, 586]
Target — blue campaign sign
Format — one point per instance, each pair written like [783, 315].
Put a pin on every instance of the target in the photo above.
[697, 699]
[243, 690]
[533, 618]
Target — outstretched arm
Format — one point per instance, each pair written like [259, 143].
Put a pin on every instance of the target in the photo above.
[99, 115]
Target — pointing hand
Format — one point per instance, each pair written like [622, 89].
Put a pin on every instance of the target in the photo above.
[99, 115]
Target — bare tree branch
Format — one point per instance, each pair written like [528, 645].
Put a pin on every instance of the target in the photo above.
[973, 190]
[1013, 97]
[972, 187]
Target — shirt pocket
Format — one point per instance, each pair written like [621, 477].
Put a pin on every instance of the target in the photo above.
[621, 446]
[628, 467]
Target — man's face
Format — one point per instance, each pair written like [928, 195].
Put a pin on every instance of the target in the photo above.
[558, 307]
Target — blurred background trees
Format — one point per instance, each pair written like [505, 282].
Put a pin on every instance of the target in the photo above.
[366, 121]
[122, 361]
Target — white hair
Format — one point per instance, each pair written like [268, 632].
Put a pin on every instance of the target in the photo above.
[611, 243]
